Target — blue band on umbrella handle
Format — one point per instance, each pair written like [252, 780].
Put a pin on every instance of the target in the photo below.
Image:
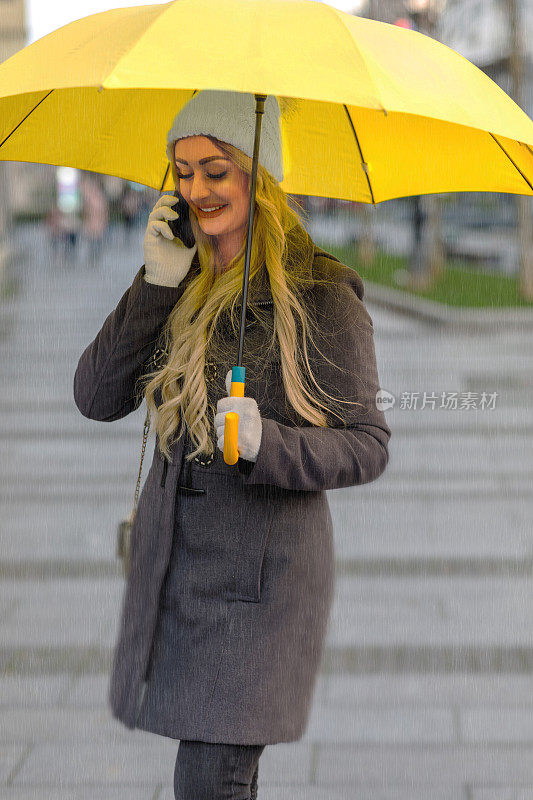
[237, 374]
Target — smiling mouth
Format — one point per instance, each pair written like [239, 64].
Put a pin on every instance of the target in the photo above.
[215, 213]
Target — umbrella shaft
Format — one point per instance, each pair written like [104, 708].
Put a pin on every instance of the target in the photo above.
[259, 111]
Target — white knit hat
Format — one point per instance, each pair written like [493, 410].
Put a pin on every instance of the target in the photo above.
[230, 117]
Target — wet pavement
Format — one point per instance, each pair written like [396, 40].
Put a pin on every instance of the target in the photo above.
[427, 679]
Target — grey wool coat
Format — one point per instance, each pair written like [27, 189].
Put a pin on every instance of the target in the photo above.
[257, 572]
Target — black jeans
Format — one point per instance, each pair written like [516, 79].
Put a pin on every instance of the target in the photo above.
[207, 771]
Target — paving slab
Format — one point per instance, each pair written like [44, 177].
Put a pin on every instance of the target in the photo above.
[432, 611]
[501, 793]
[418, 690]
[268, 792]
[19, 691]
[88, 691]
[69, 723]
[11, 756]
[57, 460]
[108, 763]
[96, 791]
[372, 724]
[60, 612]
[497, 723]
[406, 528]
[432, 765]
[40, 532]
[133, 762]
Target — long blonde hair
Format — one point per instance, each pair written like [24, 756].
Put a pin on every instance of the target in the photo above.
[191, 325]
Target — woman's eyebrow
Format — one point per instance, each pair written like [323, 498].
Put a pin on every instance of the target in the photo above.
[204, 160]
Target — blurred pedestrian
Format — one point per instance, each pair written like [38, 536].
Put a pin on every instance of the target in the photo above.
[95, 217]
[63, 228]
[130, 206]
[64, 218]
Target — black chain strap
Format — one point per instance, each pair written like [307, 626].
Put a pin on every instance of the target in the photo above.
[154, 362]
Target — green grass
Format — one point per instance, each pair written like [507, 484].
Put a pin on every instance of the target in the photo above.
[460, 285]
[9, 288]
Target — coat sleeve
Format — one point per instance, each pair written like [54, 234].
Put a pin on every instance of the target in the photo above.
[107, 372]
[315, 458]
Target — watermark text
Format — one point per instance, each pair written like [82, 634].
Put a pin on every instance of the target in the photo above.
[417, 401]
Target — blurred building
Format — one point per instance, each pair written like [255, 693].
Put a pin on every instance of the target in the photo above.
[383, 10]
[26, 188]
[12, 37]
[480, 31]
[12, 27]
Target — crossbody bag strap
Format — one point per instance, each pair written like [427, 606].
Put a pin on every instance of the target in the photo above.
[153, 363]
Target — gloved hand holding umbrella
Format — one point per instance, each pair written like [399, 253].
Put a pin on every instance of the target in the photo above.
[249, 421]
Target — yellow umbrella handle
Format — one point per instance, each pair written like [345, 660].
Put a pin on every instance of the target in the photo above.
[231, 422]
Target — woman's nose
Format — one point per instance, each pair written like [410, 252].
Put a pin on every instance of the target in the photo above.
[199, 190]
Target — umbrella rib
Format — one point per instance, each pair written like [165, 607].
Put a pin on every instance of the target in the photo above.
[165, 177]
[25, 118]
[511, 160]
[363, 162]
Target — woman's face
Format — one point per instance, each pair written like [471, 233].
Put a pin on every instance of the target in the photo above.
[215, 182]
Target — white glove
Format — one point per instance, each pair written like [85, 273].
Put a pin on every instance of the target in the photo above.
[250, 425]
[166, 259]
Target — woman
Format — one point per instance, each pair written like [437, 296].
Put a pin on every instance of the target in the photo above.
[231, 583]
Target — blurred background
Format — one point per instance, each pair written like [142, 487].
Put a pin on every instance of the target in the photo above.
[426, 687]
[406, 243]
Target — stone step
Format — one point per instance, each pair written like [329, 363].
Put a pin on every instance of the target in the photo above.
[93, 567]
[348, 661]
[392, 623]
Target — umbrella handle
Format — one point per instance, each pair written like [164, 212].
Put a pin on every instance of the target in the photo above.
[231, 422]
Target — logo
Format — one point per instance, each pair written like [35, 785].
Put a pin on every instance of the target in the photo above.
[384, 400]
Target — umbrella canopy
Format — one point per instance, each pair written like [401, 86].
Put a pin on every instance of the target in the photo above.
[380, 112]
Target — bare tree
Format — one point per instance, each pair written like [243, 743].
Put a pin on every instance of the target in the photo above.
[366, 245]
[523, 202]
[427, 256]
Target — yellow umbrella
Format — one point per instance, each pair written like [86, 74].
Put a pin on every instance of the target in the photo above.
[378, 111]
[383, 111]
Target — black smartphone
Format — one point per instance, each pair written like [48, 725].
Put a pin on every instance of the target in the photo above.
[181, 227]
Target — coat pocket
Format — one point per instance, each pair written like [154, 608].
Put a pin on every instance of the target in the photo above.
[253, 543]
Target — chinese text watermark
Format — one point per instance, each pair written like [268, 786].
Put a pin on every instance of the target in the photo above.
[416, 401]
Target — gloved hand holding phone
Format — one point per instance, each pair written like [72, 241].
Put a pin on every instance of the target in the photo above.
[169, 245]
